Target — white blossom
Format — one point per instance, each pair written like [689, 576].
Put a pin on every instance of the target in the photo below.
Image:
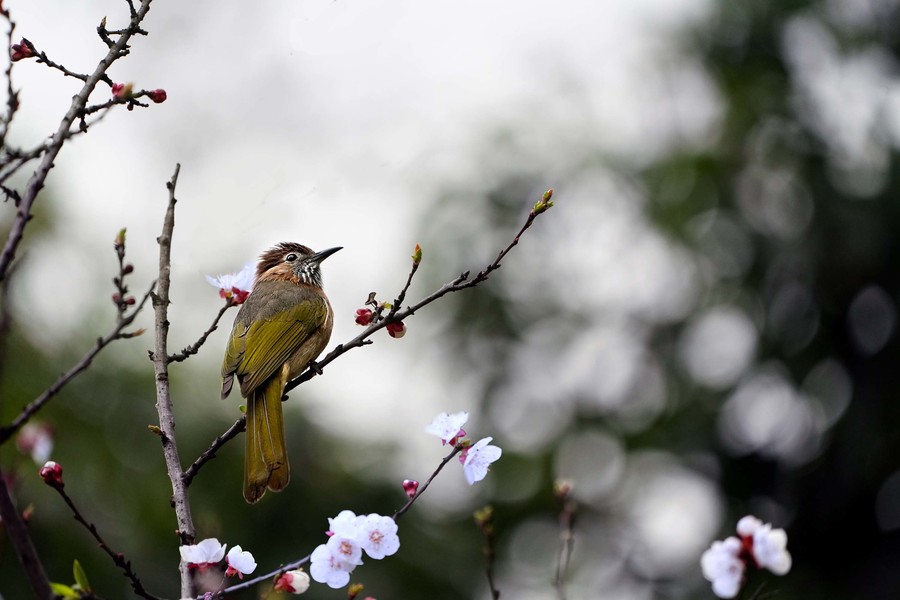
[240, 562]
[378, 536]
[206, 553]
[770, 549]
[721, 565]
[478, 459]
[331, 563]
[447, 426]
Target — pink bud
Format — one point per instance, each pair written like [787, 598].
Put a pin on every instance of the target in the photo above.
[51, 473]
[158, 96]
[116, 298]
[363, 316]
[130, 300]
[21, 50]
[411, 487]
[129, 268]
[396, 330]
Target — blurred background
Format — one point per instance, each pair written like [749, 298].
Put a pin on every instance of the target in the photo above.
[704, 326]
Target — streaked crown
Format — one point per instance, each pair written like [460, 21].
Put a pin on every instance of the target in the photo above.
[289, 260]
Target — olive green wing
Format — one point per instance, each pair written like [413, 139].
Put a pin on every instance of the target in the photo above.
[261, 343]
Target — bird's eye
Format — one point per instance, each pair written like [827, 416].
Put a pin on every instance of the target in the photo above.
[290, 257]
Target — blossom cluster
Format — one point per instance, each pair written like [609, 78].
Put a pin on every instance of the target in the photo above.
[757, 546]
[475, 458]
[349, 536]
[210, 552]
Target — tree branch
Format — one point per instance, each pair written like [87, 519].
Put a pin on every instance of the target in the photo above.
[36, 182]
[460, 283]
[160, 359]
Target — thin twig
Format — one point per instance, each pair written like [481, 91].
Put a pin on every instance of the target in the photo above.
[195, 347]
[484, 519]
[12, 96]
[566, 545]
[36, 182]
[402, 510]
[42, 58]
[35, 405]
[22, 544]
[210, 453]
[117, 557]
[160, 359]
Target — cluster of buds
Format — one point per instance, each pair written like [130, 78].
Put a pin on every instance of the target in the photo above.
[23, 49]
[121, 298]
[544, 203]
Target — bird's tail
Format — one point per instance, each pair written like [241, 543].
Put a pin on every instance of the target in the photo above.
[266, 460]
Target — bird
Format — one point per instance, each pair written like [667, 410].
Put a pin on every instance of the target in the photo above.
[282, 326]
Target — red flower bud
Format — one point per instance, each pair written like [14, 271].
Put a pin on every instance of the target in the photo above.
[410, 486]
[130, 300]
[51, 473]
[363, 316]
[117, 299]
[396, 330]
[21, 50]
[128, 269]
[158, 96]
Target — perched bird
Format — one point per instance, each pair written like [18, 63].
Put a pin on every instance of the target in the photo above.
[283, 324]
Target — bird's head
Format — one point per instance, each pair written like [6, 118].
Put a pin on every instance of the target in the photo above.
[292, 262]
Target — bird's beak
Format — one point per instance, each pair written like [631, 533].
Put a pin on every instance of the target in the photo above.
[318, 257]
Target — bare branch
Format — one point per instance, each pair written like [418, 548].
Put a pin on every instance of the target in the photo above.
[210, 453]
[160, 359]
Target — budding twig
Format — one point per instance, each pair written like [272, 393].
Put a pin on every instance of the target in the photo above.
[117, 557]
[484, 519]
[35, 183]
[460, 283]
[563, 490]
[210, 453]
